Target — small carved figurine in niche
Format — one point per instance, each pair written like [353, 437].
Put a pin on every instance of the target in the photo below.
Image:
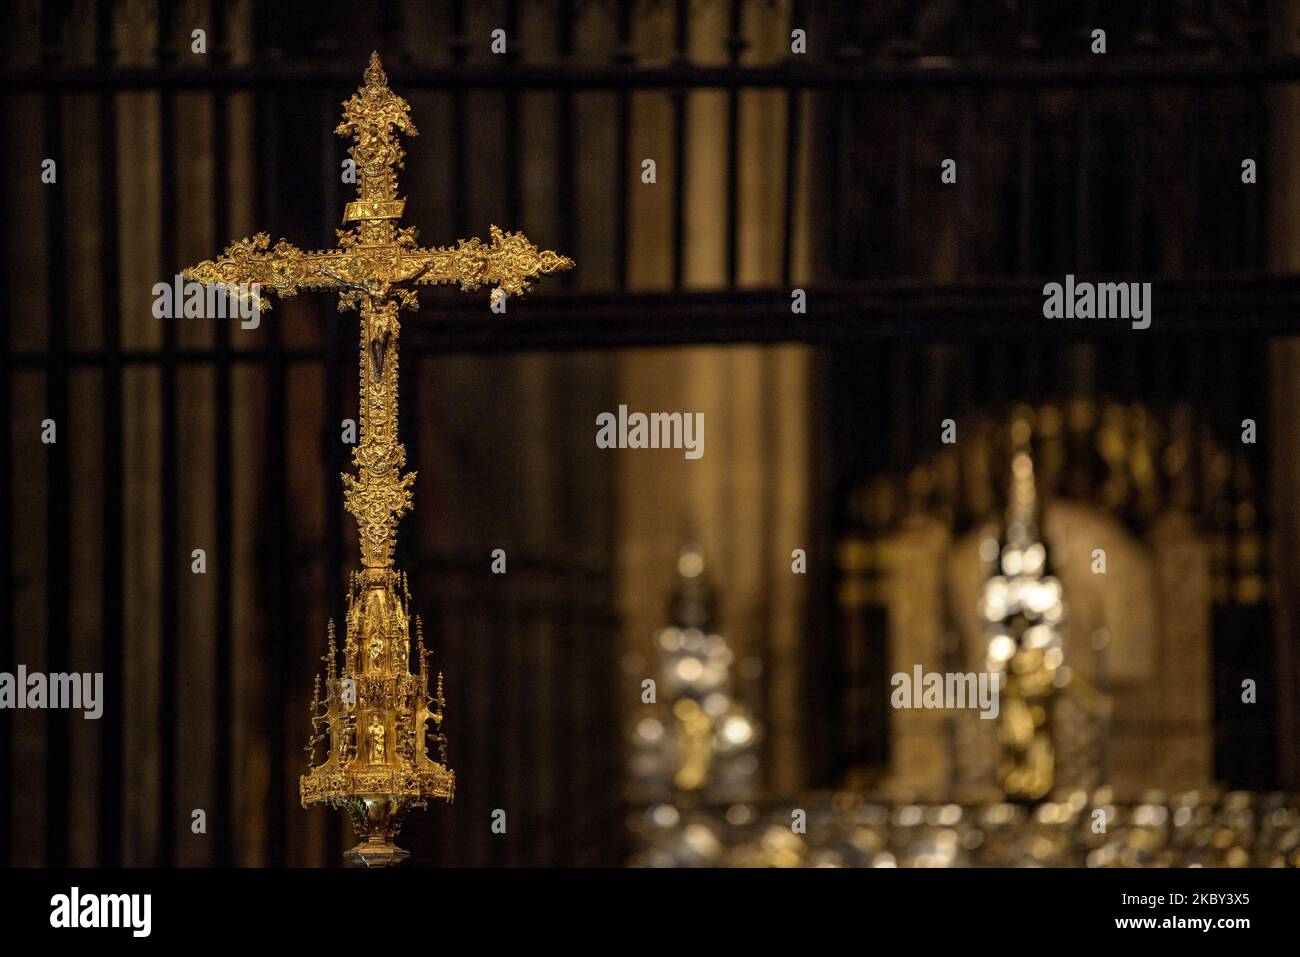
[405, 737]
[346, 741]
[375, 649]
[376, 732]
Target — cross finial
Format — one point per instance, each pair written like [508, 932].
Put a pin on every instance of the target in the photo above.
[375, 75]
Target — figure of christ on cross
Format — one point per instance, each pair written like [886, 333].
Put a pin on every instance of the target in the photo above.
[375, 266]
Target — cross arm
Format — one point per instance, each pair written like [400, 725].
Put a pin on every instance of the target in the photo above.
[508, 263]
[282, 267]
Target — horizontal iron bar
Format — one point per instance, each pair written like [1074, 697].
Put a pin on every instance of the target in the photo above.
[877, 311]
[1090, 71]
[1225, 304]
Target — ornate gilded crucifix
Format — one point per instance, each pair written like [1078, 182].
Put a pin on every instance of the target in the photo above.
[376, 710]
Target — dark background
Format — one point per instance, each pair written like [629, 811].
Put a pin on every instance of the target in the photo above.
[1128, 165]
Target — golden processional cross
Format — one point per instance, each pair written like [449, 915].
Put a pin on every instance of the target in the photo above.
[379, 715]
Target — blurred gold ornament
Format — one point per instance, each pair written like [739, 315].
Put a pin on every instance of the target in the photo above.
[375, 266]
[695, 745]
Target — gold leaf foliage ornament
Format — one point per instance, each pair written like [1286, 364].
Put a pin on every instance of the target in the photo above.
[379, 717]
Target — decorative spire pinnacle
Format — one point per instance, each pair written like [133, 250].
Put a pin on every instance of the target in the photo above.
[441, 702]
[331, 655]
[375, 75]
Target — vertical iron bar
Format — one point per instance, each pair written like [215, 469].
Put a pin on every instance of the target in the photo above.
[389, 27]
[846, 18]
[459, 45]
[735, 46]
[513, 152]
[1027, 40]
[565, 182]
[763, 647]
[112, 744]
[223, 647]
[1025, 223]
[967, 228]
[1062, 207]
[1137, 198]
[58, 640]
[607, 663]
[540, 640]
[1257, 203]
[518, 618]
[6, 529]
[1257, 137]
[793, 120]
[831, 199]
[681, 33]
[567, 746]
[1193, 251]
[484, 784]
[1146, 35]
[903, 184]
[168, 658]
[971, 41]
[624, 56]
[1083, 186]
[591, 774]
[275, 531]
[467, 848]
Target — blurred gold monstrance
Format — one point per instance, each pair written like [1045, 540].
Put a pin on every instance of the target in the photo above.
[377, 713]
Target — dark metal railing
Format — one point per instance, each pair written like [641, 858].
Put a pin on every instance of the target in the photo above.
[847, 305]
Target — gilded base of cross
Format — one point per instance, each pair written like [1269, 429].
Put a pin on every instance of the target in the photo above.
[377, 718]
